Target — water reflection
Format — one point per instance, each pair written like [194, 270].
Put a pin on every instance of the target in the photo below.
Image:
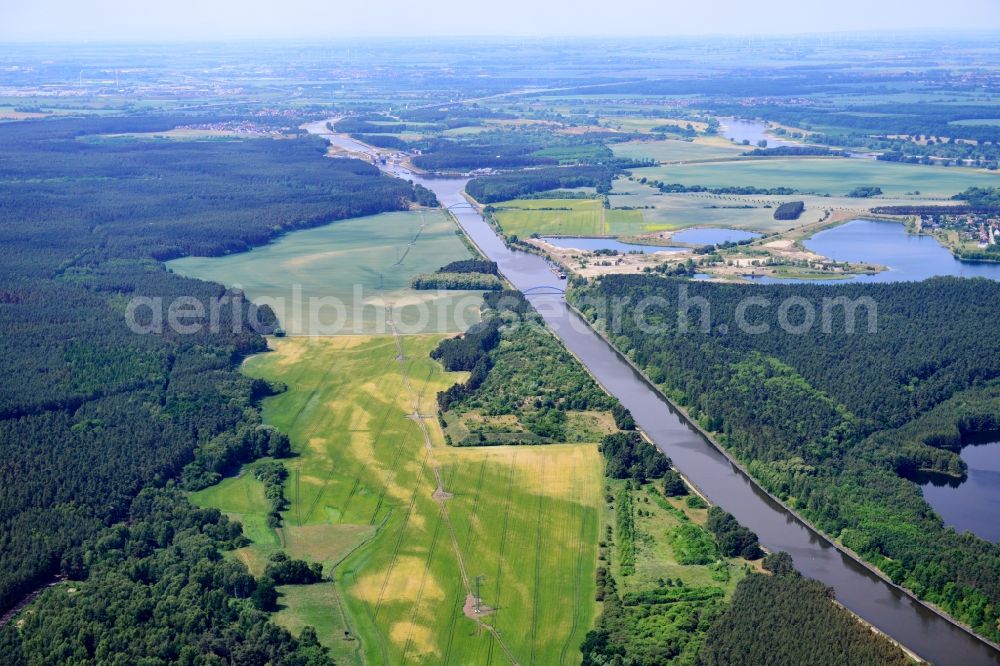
[909, 257]
[971, 503]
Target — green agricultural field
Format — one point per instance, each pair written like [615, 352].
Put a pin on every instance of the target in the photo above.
[575, 153]
[359, 266]
[632, 124]
[677, 211]
[468, 130]
[751, 212]
[826, 176]
[568, 217]
[242, 498]
[362, 500]
[674, 150]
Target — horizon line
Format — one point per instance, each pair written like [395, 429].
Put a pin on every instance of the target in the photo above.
[316, 39]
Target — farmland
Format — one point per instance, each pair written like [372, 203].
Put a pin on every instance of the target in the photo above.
[639, 209]
[362, 264]
[826, 176]
[363, 486]
[629, 124]
[567, 217]
[673, 150]
[754, 212]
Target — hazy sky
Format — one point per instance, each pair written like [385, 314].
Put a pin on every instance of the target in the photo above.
[157, 20]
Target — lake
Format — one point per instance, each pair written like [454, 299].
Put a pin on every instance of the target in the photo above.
[908, 256]
[713, 236]
[739, 130]
[592, 244]
[972, 504]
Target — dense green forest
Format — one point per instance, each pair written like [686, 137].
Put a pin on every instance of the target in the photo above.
[465, 280]
[792, 151]
[156, 590]
[677, 188]
[91, 412]
[517, 367]
[442, 155]
[629, 456]
[472, 274]
[787, 619]
[490, 189]
[829, 420]
[981, 197]
[790, 210]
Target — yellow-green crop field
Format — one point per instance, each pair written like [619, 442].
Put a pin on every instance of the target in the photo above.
[362, 500]
[675, 150]
[834, 176]
[568, 217]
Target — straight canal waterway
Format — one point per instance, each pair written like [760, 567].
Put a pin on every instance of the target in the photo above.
[880, 603]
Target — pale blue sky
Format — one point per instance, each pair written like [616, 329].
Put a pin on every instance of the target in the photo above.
[159, 20]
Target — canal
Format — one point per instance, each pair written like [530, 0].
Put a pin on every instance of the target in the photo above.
[882, 604]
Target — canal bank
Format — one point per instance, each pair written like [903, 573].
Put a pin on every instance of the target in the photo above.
[865, 592]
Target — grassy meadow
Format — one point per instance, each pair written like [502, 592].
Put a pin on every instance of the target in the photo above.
[657, 518]
[675, 150]
[753, 212]
[363, 264]
[636, 124]
[834, 176]
[567, 217]
[369, 453]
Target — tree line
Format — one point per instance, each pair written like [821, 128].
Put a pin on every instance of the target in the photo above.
[491, 189]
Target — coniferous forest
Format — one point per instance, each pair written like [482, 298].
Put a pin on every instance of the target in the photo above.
[829, 420]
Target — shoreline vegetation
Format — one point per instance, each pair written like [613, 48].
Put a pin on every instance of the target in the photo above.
[798, 516]
[802, 519]
[837, 543]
